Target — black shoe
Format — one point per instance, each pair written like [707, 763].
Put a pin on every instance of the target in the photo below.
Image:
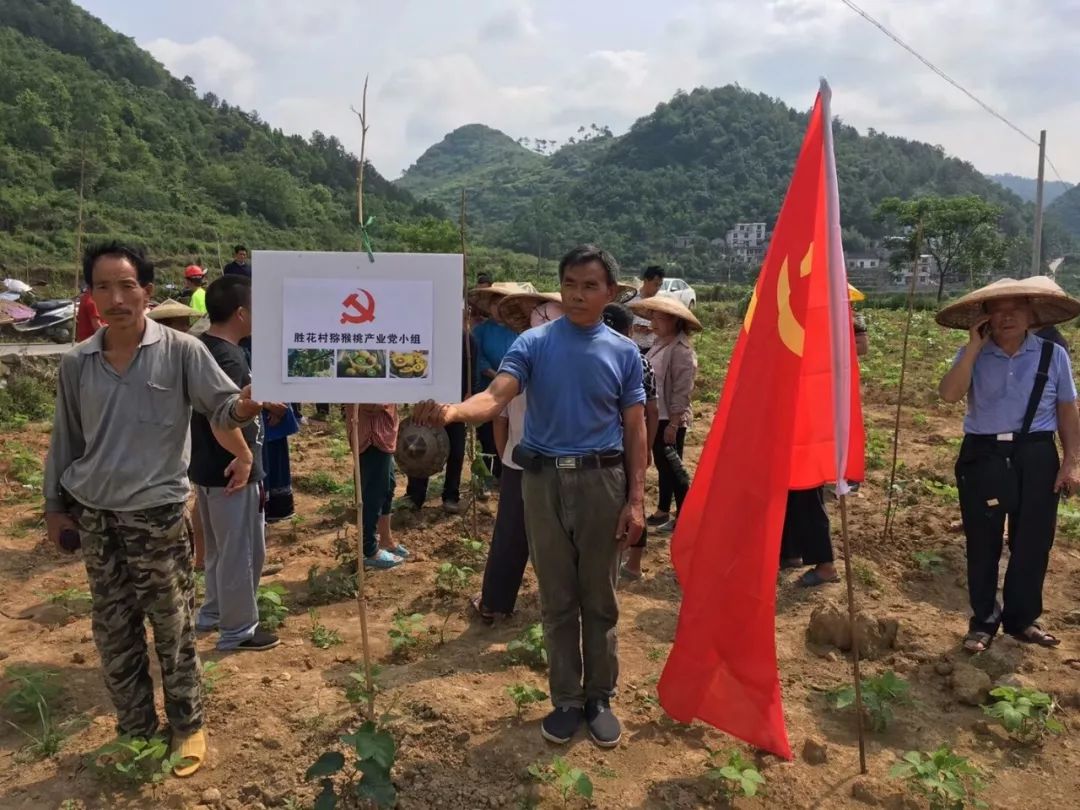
[604, 727]
[561, 725]
[259, 642]
[657, 520]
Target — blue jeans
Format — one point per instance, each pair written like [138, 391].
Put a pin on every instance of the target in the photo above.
[377, 490]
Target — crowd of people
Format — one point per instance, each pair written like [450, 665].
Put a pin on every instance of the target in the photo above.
[573, 394]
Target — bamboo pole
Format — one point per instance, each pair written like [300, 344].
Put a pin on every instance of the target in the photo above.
[354, 441]
[474, 506]
[850, 577]
[889, 512]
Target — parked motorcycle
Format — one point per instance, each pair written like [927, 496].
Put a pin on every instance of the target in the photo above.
[52, 319]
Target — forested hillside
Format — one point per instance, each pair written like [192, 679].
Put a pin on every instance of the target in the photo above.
[696, 165]
[184, 175]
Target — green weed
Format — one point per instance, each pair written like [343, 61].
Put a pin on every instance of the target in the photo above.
[528, 648]
[880, 693]
[322, 636]
[322, 482]
[330, 585]
[929, 561]
[28, 688]
[1027, 714]
[945, 780]
[272, 608]
[736, 776]
[212, 673]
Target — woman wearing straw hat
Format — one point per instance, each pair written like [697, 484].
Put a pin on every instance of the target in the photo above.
[1020, 391]
[173, 314]
[675, 365]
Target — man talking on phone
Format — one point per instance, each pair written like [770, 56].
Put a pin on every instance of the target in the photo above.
[583, 456]
[1020, 392]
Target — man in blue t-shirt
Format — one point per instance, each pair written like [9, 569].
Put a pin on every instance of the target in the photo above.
[583, 453]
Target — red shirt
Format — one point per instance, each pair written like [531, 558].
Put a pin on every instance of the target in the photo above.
[87, 320]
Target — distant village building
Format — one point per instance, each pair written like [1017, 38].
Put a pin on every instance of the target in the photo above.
[748, 241]
[685, 242]
[926, 275]
[862, 262]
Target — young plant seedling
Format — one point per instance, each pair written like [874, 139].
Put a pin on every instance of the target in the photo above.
[135, 761]
[211, 674]
[945, 780]
[29, 688]
[1027, 714]
[356, 690]
[272, 609]
[524, 695]
[473, 550]
[405, 632]
[928, 561]
[880, 694]
[569, 782]
[452, 579]
[336, 584]
[736, 776]
[528, 648]
[368, 777]
[322, 636]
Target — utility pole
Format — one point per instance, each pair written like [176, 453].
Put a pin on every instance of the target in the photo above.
[1036, 239]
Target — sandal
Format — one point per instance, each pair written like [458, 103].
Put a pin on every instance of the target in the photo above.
[977, 642]
[485, 615]
[790, 562]
[1036, 635]
[812, 579]
[627, 574]
[192, 750]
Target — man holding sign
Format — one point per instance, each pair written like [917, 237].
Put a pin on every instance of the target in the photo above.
[583, 482]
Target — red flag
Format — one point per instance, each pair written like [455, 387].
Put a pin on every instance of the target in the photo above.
[789, 418]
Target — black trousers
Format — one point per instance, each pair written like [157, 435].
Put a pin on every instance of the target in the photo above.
[669, 484]
[485, 434]
[417, 487]
[806, 528]
[1012, 481]
[509, 550]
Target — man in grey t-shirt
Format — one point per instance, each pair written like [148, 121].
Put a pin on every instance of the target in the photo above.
[116, 474]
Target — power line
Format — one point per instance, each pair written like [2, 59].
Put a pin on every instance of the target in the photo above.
[942, 74]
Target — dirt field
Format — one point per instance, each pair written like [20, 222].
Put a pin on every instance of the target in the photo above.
[460, 744]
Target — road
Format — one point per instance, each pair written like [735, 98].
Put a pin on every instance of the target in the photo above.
[33, 349]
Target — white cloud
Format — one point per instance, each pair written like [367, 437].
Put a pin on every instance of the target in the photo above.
[216, 65]
[543, 69]
[510, 25]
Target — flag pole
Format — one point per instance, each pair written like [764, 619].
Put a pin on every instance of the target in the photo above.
[840, 339]
[889, 511]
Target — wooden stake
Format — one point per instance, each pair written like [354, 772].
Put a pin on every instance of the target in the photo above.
[474, 506]
[1036, 237]
[889, 516]
[354, 439]
[849, 576]
[354, 434]
[78, 237]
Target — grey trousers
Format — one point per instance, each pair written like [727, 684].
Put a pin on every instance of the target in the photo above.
[235, 541]
[570, 520]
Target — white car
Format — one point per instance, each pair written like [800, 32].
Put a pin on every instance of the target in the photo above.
[677, 288]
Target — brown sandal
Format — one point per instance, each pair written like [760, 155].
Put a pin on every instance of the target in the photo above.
[1036, 635]
[977, 642]
[485, 615]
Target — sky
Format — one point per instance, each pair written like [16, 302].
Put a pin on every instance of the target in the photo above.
[542, 69]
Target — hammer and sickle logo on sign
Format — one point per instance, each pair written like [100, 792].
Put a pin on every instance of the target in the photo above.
[792, 333]
[355, 312]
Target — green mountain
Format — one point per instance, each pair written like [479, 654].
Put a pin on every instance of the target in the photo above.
[695, 166]
[81, 105]
[1065, 211]
[1024, 187]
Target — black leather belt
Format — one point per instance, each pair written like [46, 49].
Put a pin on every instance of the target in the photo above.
[1015, 438]
[594, 461]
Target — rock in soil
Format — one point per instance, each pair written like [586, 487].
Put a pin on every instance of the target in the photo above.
[943, 667]
[829, 624]
[815, 752]
[211, 796]
[970, 684]
[868, 791]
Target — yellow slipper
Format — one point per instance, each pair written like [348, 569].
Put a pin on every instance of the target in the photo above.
[192, 750]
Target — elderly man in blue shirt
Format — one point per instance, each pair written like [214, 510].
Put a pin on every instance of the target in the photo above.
[583, 455]
[1020, 392]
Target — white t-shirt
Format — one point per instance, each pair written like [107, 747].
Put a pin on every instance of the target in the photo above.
[515, 412]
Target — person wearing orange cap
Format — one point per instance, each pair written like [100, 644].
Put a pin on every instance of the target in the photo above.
[194, 276]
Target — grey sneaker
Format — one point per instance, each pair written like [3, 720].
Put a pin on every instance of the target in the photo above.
[561, 724]
[604, 727]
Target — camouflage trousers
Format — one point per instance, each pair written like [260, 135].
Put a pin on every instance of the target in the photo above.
[140, 567]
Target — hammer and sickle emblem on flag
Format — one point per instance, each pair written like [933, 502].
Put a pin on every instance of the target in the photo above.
[359, 312]
[792, 333]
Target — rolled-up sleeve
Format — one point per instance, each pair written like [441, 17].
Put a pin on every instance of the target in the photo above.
[518, 360]
[209, 389]
[633, 390]
[67, 443]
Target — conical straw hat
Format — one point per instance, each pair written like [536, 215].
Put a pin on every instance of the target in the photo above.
[1050, 303]
[514, 310]
[169, 309]
[484, 298]
[666, 304]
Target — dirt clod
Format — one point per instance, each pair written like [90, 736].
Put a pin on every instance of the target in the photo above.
[815, 752]
[211, 796]
[970, 684]
[868, 791]
[829, 624]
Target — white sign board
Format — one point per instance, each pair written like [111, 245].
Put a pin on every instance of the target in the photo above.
[337, 327]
